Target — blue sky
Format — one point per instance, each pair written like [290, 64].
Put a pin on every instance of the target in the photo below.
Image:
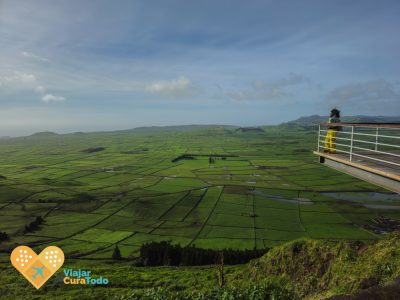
[104, 65]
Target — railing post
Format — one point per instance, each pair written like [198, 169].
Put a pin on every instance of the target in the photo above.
[319, 136]
[376, 138]
[351, 143]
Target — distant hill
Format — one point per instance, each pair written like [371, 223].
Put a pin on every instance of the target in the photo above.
[43, 134]
[306, 122]
[145, 129]
[178, 128]
[316, 119]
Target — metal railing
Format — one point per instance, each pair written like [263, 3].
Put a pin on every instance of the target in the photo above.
[375, 142]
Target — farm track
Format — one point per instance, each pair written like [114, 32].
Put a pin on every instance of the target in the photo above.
[173, 206]
[208, 217]
[94, 225]
[196, 204]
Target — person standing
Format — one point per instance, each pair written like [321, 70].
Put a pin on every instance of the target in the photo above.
[330, 138]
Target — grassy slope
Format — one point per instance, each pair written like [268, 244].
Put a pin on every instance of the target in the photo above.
[318, 269]
[303, 268]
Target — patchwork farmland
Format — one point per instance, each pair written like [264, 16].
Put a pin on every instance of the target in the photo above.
[212, 187]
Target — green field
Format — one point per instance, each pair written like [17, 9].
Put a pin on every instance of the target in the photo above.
[267, 190]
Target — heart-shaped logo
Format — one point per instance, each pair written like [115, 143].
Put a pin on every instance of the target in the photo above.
[37, 268]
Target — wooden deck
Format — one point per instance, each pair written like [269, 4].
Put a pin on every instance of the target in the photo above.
[369, 165]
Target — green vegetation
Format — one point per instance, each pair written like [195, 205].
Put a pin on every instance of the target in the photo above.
[100, 196]
[327, 268]
[167, 254]
[301, 269]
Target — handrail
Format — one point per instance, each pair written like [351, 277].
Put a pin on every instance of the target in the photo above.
[373, 125]
[366, 142]
[379, 146]
[365, 134]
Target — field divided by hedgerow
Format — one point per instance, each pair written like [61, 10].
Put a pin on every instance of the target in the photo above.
[213, 188]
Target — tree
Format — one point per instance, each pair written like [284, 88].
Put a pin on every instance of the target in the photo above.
[164, 253]
[221, 271]
[3, 236]
[117, 253]
[34, 225]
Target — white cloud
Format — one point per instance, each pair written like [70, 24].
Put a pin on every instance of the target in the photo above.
[17, 78]
[268, 91]
[34, 56]
[40, 89]
[258, 93]
[181, 87]
[23, 82]
[52, 98]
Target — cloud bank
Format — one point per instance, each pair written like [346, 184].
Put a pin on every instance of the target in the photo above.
[269, 91]
[374, 95]
[177, 88]
[34, 56]
[19, 82]
[52, 98]
[17, 79]
[242, 64]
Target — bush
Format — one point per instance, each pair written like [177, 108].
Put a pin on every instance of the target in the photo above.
[33, 225]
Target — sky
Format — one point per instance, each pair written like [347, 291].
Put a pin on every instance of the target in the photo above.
[94, 65]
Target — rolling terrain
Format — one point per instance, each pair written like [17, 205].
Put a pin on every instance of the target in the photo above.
[210, 187]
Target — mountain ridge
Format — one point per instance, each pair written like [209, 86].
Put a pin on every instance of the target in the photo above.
[316, 119]
[301, 122]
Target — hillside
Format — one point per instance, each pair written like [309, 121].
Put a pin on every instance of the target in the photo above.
[301, 269]
[44, 134]
[211, 188]
[183, 127]
[175, 128]
[322, 269]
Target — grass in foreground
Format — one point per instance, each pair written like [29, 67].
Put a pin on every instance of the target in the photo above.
[302, 269]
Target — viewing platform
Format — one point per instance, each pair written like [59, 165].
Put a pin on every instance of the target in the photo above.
[369, 151]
